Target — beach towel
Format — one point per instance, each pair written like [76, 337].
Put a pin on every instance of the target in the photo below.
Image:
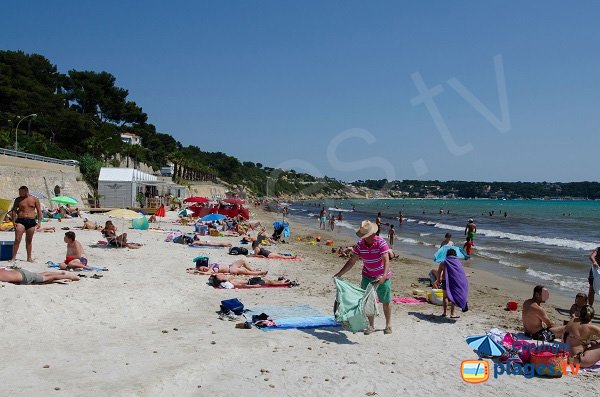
[409, 300]
[457, 285]
[253, 287]
[293, 317]
[440, 255]
[354, 304]
[54, 265]
[205, 246]
[296, 259]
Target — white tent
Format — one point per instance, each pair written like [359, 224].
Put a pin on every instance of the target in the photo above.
[118, 187]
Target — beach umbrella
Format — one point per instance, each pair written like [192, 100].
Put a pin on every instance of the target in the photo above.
[125, 214]
[440, 254]
[186, 212]
[39, 195]
[485, 346]
[64, 200]
[196, 200]
[212, 218]
[233, 201]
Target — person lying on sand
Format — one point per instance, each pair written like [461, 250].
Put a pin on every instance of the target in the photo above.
[229, 282]
[210, 244]
[259, 251]
[89, 225]
[75, 258]
[582, 338]
[241, 267]
[25, 277]
[110, 233]
[536, 322]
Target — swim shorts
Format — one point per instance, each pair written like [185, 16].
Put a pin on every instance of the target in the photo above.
[384, 291]
[471, 235]
[83, 260]
[30, 277]
[543, 334]
[27, 222]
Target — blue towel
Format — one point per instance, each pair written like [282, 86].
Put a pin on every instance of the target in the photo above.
[304, 322]
[290, 317]
[54, 265]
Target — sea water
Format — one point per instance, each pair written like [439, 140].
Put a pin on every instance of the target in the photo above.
[537, 241]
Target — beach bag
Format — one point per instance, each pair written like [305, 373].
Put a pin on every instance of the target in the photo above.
[201, 261]
[353, 305]
[238, 251]
[232, 305]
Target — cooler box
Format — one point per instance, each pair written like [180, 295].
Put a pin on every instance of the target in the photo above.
[6, 248]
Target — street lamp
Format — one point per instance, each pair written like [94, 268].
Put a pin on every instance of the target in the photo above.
[17, 129]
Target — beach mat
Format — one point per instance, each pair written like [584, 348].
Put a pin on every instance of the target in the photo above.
[205, 246]
[409, 300]
[296, 259]
[54, 265]
[262, 286]
[294, 317]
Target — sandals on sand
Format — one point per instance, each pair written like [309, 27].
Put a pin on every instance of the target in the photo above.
[387, 331]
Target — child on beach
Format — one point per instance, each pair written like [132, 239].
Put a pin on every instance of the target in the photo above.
[468, 247]
[391, 235]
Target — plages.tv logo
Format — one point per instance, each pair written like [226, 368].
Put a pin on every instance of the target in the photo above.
[474, 371]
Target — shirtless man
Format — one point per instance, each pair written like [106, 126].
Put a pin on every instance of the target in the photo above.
[471, 229]
[447, 240]
[535, 320]
[26, 209]
[25, 277]
[582, 338]
[76, 258]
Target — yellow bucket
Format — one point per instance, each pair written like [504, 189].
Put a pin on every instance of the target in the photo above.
[436, 296]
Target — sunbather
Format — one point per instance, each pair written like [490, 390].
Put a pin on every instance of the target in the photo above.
[210, 244]
[75, 258]
[582, 338]
[259, 251]
[25, 277]
[241, 267]
[110, 233]
[89, 225]
[536, 322]
[229, 282]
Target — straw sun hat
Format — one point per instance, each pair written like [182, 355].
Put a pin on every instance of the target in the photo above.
[367, 229]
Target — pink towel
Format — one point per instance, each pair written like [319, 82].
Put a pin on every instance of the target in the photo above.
[409, 300]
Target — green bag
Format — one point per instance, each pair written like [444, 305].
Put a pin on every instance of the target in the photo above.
[354, 304]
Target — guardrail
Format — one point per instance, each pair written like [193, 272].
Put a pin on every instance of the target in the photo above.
[14, 153]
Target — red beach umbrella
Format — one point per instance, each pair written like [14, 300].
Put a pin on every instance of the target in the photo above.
[160, 211]
[196, 199]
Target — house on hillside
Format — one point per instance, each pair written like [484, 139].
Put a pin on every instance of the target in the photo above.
[130, 138]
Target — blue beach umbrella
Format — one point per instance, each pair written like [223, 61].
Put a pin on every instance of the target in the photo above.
[212, 218]
[440, 254]
[485, 346]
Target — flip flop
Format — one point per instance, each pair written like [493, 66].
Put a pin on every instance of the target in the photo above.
[455, 316]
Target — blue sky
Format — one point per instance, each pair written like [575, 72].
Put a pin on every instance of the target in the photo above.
[277, 82]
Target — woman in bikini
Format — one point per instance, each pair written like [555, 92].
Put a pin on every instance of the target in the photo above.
[579, 335]
[240, 267]
[228, 282]
[110, 233]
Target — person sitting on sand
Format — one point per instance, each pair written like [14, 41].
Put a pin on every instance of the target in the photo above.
[536, 323]
[25, 277]
[152, 219]
[581, 300]
[204, 243]
[259, 251]
[582, 338]
[110, 233]
[451, 279]
[240, 267]
[230, 282]
[75, 258]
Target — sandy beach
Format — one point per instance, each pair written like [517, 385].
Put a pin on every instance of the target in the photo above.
[147, 328]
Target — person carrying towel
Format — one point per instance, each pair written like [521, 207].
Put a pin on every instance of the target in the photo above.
[374, 252]
[451, 278]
